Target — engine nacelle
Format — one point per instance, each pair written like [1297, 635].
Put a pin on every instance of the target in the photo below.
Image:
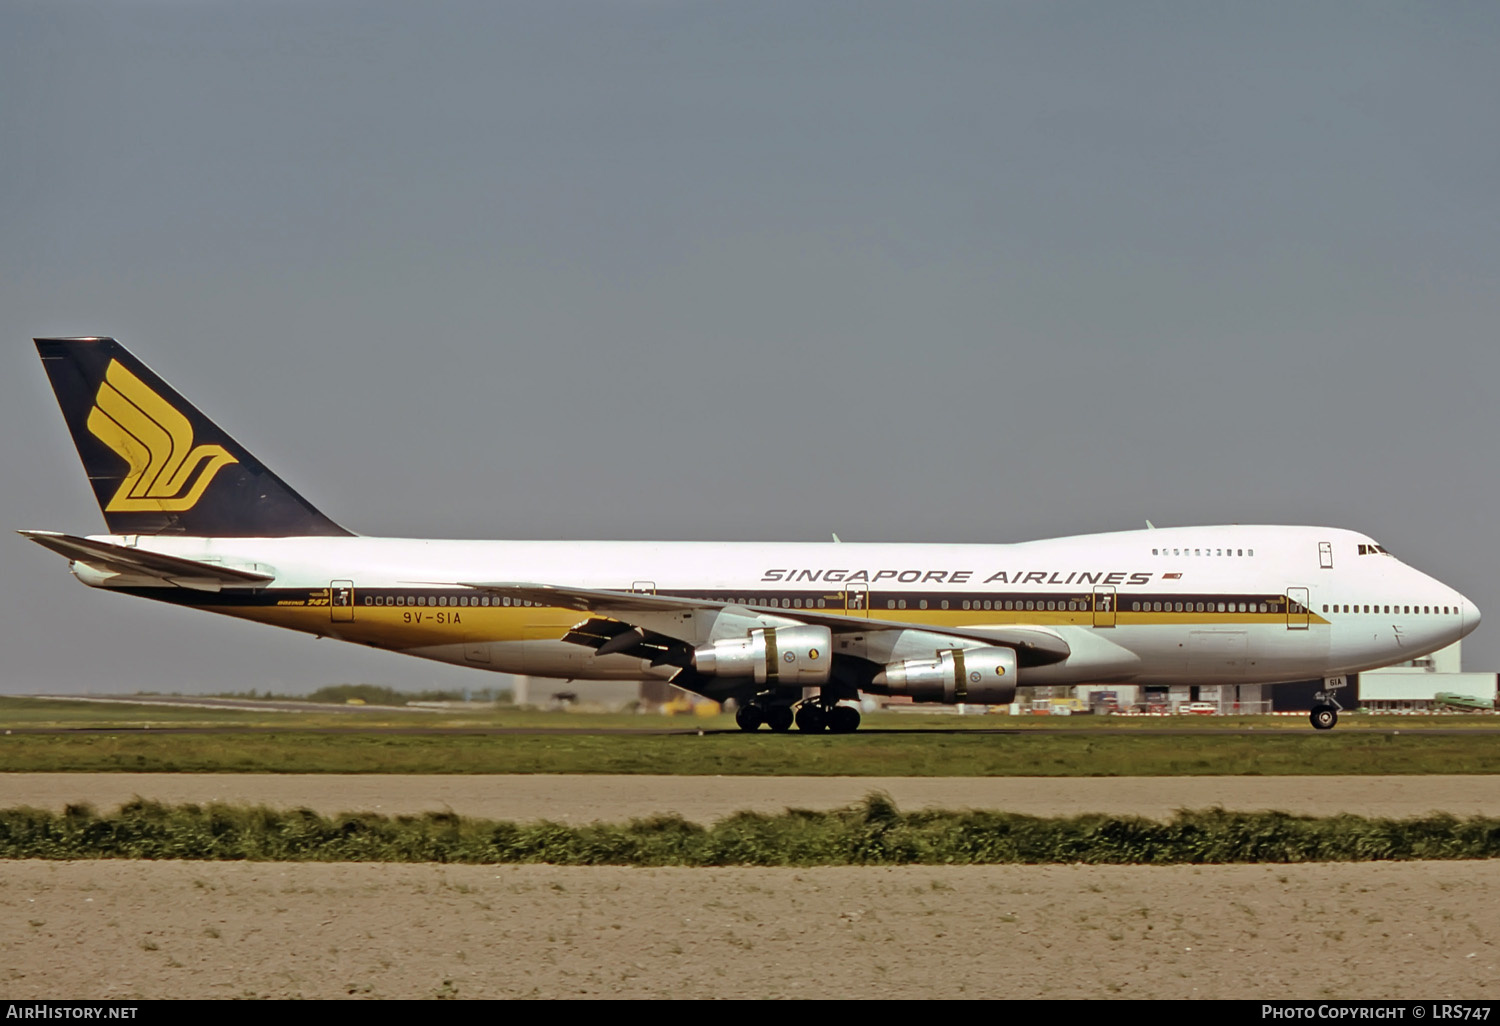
[984, 676]
[796, 656]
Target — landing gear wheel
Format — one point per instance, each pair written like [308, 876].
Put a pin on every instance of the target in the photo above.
[749, 717]
[779, 718]
[810, 718]
[843, 719]
[1324, 717]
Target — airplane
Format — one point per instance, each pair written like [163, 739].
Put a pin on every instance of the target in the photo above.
[793, 632]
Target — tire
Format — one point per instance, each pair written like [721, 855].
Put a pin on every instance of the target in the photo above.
[810, 718]
[779, 718]
[748, 717]
[1324, 717]
[843, 719]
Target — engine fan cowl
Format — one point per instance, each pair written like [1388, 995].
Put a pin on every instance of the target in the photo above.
[984, 676]
[797, 656]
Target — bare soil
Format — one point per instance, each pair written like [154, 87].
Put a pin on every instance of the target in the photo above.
[616, 798]
[123, 929]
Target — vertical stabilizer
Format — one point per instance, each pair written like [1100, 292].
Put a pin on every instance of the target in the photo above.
[157, 465]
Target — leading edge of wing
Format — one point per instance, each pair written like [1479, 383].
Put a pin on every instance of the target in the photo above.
[1043, 645]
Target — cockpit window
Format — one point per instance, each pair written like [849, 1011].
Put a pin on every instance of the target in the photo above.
[1372, 549]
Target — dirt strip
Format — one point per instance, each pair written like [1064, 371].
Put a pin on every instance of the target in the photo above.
[592, 798]
[175, 930]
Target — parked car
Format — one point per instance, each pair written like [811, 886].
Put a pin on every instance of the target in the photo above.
[1200, 708]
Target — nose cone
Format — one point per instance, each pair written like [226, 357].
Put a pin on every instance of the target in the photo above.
[1471, 616]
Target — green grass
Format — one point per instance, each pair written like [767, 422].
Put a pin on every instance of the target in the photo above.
[872, 833]
[38, 735]
[903, 753]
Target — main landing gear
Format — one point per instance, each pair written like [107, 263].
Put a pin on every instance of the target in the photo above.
[1324, 717]
[752, 714]
[814, 716]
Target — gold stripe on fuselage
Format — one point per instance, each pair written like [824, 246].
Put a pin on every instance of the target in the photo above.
[401, 627]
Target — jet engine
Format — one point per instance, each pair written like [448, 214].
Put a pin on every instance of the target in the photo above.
[797, 656]
[984, 676]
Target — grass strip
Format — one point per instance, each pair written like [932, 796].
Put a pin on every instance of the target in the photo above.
[910, 753]
[872, 833]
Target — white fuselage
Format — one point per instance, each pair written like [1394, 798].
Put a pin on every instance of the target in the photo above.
[1203, 605]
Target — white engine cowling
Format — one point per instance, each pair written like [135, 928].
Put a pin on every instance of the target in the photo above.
[984, 676]
[796, 656]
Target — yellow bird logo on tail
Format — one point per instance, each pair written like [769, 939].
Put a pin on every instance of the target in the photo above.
[156, 441]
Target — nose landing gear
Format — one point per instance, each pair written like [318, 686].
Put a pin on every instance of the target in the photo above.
[1326, 712]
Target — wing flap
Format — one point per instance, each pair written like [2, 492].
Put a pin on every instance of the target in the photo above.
[616, 637]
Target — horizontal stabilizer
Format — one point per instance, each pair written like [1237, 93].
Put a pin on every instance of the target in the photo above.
[125, 559]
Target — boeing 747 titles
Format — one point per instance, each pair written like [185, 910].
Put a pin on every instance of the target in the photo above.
[195, 520]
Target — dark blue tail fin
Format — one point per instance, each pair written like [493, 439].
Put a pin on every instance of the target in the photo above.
[157, 465]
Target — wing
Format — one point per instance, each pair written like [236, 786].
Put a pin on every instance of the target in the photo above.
[1035, 646]
[133, 562]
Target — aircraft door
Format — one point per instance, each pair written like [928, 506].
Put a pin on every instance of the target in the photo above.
[341, 601]
[1298, 616]
[1104, 606]
[857, 601]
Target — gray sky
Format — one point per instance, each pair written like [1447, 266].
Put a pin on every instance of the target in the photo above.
[928, 272]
